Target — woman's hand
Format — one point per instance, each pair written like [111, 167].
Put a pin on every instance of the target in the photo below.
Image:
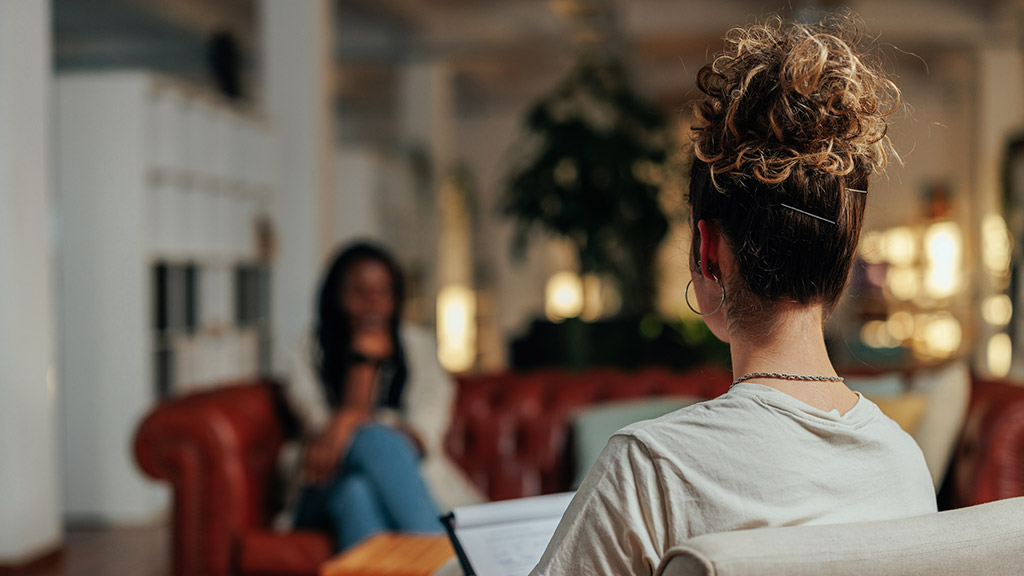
[320, 461]
[373, 342]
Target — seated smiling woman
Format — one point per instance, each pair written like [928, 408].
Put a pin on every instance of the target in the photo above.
[790, 126]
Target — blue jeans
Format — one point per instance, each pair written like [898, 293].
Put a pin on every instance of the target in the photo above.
[377, 488]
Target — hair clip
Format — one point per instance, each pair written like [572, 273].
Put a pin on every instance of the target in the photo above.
[832, 222]
[855, 190]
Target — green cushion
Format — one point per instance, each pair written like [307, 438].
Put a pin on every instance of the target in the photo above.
[594, 425]
[887, 385]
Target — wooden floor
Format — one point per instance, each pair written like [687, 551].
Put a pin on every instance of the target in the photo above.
[92, 551]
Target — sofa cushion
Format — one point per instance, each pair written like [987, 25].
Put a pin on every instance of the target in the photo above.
[905, 409]
[594, 425]
[878, 385]
[949, 393]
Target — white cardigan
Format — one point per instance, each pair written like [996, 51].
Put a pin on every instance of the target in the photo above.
[426, 407]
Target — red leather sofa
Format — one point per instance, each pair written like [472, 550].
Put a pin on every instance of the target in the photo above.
[510, 432]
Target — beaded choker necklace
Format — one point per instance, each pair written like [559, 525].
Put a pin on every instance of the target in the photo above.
[778, 376]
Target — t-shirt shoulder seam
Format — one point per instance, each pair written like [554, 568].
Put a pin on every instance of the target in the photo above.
[634, 435]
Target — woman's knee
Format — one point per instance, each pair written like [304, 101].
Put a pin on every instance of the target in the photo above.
[355, 511]
[352, 490]
[373, 440]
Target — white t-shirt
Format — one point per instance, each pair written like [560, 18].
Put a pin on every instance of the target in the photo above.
[751, 458]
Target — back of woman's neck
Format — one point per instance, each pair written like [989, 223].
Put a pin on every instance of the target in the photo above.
[795, 346]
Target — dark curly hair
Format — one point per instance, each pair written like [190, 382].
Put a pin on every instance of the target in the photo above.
[334, 356]
[792, 124]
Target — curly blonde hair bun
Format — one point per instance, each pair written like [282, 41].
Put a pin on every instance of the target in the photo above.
[791, 125]
[783, 96]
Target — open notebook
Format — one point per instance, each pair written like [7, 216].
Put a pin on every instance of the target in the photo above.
[505, 538]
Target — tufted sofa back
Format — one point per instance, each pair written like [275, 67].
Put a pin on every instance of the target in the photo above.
[511, 432]
[218, 450]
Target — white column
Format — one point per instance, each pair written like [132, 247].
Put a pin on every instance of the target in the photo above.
[427, 110]
[359, 174]
[999, 82]
[297, 95]
[427, 125]
[29, 487]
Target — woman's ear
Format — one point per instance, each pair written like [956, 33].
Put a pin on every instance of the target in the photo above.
[710, 238]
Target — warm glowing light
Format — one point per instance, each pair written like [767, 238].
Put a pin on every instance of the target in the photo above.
[902, 283]
[1000, 355]
[997, 310]
[875, 334]
[996, 245]
[566, 174]
[592, 304]
[868, 335]
[901, 326]
[871, 248]
[942, 335]
[456, 327]
[943, 252]
[899, 246]
[876, 274]
[563, 296]
[611, 299]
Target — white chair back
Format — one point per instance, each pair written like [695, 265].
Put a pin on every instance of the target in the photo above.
[982, 540]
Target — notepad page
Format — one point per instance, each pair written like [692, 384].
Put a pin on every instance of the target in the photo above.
[518, 510]
[508, 549]
[507, 538]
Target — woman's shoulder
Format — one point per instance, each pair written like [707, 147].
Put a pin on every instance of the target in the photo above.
[305, 348]
[418, 342]
[668, 432]
[707, 412]
[708, 426]
[303, 358]
[416, 334]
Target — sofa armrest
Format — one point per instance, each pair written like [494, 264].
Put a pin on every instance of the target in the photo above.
[989, 462]
[218, 450]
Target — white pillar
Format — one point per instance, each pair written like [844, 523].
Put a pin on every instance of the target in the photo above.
[359, 174]
[297, 95]
[428, 122]
[999, 83]
[427, 125]
[427, 110]
[29, 487]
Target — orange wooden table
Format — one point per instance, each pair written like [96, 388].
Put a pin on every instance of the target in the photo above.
[391, 555]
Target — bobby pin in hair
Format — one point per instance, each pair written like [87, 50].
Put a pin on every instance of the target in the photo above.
[804, 212]
[855, 190]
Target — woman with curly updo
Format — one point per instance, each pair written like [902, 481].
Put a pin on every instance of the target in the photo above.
[791, 125]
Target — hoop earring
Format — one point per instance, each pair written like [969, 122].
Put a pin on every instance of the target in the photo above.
[686, 294]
